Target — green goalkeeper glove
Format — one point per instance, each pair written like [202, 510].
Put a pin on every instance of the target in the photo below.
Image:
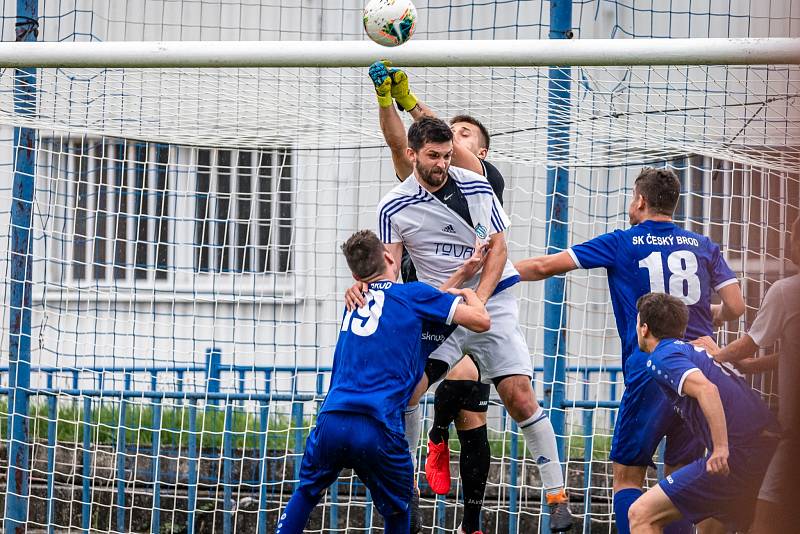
[400, 90]
[382, 80]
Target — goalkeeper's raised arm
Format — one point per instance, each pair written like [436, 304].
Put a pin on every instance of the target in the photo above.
[392, 85]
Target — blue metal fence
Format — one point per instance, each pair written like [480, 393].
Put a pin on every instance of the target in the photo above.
[214, 375]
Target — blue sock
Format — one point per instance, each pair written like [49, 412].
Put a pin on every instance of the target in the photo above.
[295, 515]
[681, 526]
[623, 500]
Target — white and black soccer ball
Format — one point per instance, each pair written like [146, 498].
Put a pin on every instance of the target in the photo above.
[390, 22]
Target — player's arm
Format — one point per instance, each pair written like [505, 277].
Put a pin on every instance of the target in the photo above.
[732, 306]
[541, 267]
[762, 364]
[471, 312]
[697, 386]
[469, 268]
[493, 267]
[392, 127]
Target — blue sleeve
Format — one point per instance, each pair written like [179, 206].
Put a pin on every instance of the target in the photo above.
[721, 274]
[598, 252]
[670, 368]
[431, 304]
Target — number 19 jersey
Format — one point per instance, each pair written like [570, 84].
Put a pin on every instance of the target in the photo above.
[660, 257]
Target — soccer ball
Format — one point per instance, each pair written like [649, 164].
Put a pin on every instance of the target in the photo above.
[390, 22]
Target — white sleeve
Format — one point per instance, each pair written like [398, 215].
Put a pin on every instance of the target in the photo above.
[499, 218]
[769, 323]
[387, 226]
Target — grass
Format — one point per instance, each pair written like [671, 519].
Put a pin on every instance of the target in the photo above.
[210, 426]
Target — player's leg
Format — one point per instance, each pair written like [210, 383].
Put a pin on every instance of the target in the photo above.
[475, 457]
[452, 394]
[382, 462]
[651, 512]
[320, 467]
[504, 359]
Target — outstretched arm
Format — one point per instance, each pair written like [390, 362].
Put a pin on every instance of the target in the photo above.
[541, 267]
[394, 132]
[696, 385]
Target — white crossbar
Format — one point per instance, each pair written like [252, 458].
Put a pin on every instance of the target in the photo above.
[416, 53]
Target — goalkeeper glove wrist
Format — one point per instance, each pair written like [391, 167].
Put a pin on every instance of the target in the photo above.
[382, 81]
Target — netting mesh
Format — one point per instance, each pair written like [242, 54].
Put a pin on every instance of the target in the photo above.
[187, 279]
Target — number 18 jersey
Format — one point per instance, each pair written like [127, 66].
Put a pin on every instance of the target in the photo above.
[660, 257]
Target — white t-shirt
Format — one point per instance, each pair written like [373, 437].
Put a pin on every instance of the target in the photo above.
[779, 319]
[438, 240]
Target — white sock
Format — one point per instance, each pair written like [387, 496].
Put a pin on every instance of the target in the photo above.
[541, 440]
[413, 430]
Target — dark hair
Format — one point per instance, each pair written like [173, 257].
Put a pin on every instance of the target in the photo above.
[364, 254]
[660, 188]
[428, 130]
[665, 315]
[475, 122]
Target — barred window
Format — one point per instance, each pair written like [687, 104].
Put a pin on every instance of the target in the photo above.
[243, 219]
[110, 208]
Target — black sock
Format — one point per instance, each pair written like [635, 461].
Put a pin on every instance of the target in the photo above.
[447, 403]
[474, 464]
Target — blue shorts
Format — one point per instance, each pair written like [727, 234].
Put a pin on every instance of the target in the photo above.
[645, 417]
[730, 499]
[378, 456]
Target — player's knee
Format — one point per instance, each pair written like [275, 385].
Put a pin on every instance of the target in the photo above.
[517, 395]
[638, 516]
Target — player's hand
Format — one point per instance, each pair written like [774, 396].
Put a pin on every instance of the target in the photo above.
[354, 296]
[401, 92]
[707, 344]
[474, 263]
[748, 366]
[717, 463]
[379, 73]
[716, 315]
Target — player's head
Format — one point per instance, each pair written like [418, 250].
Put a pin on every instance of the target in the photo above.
[470, 133]
[430, 147]
[367, 258]
[660, 316]
[655, 193]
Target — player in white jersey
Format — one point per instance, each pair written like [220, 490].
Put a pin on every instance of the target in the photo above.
[436, 214]
[777, 320]
[460, 398]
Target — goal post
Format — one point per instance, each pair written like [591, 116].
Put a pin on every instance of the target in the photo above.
[415, 53]
[178, 244]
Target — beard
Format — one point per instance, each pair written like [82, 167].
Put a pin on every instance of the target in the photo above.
[432, 176]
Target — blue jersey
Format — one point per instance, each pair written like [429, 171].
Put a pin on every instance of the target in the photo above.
[746, 414]
[378, 361]
[657, 257]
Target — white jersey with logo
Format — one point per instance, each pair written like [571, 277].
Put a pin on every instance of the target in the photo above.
[438, 240]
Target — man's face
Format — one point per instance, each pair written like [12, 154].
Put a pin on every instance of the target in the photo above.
[469, 136]
[636, 208]
[432, 161]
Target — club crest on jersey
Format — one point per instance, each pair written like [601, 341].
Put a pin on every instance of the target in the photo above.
[481, 231]
[449, 229]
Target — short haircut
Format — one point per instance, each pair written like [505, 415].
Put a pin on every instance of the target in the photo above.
[428, 130]
[665, 315]
[364, 254]
[660, 188]
[469, 119]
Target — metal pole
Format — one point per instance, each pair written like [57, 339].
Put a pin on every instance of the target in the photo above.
[558, 116]
[19, 377]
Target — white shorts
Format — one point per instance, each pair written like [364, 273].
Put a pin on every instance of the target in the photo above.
[500, 351]
[771, 487]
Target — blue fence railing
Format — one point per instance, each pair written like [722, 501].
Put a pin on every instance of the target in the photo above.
[212, 396]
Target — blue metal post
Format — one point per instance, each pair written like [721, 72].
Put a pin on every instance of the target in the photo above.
[299, 444]
[52, 415]
[155, 522]
[86, 468]
[121, 435]
[227, 470]
[588, 454]
[19, 332]
[191, 483]
[558, 127]
[262, 469]
[513, 480]
[213, 372]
